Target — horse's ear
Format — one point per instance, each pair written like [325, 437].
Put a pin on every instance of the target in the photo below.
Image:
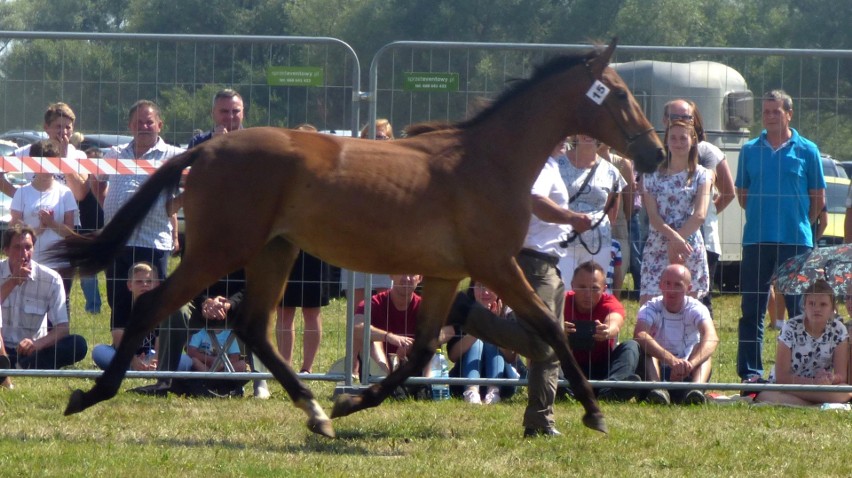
[603, 58]
[607, 54]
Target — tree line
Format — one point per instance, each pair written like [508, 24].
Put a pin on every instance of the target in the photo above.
[181, 76]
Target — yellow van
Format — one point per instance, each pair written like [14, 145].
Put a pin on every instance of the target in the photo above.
[836, 190]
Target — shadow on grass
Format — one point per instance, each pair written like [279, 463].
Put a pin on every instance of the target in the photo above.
[355, 442]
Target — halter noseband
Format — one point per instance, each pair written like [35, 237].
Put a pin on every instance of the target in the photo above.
[598, 93]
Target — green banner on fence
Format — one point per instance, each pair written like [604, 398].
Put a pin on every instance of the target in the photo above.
[438, 82]
[294, 76]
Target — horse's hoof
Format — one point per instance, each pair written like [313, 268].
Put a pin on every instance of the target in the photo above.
[345, 405]
[75, 403]
[595, 421]
[318, 421]
[321, 427]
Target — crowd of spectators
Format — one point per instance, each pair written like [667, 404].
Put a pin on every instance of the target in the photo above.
[588, 209]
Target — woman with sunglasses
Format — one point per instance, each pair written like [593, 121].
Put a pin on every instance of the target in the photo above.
[594, 186]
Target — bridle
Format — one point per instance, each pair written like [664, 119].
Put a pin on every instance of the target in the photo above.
[598, 93]
[596, 83]
[571, 237]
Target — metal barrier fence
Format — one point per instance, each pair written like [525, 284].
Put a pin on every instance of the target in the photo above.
[412, 82]
[284, 81]
[409, 82]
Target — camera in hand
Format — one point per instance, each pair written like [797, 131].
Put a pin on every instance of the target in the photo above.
[584, 336]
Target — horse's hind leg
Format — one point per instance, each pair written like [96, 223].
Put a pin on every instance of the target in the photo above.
[437, 297]
[266, 277]
[148, 311]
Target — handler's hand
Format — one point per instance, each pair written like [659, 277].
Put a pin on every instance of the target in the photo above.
[25, 348]
[216, 308]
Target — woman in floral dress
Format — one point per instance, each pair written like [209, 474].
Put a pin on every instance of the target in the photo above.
[676, 198]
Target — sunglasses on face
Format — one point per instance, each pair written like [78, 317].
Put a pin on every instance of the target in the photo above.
[676, 117]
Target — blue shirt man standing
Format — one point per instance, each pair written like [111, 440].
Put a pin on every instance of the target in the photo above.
[781, 187]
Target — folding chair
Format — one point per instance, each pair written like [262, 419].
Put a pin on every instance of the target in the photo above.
[221, 351]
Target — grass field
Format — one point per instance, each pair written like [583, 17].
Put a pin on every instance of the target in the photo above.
[135, 436]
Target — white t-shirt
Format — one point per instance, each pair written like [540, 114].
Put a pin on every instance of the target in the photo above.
[545, 236]
[29, 201]
[710, 156]
[593, 197]
[676, 332]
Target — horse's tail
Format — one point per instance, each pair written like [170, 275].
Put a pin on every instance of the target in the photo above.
[94, 252]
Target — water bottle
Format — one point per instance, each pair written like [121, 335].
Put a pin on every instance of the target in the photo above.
[438, 368]
[150, 357]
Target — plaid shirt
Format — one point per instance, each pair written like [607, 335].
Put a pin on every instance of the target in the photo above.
[155, 231]
[29, 306]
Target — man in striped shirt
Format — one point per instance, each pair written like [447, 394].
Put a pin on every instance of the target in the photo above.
[157, 236]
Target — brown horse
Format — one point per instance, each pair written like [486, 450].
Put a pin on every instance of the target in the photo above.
[447, 204]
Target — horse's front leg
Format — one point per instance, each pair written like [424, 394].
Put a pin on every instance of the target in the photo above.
[554, 335]
[538, 323]
[437, 297]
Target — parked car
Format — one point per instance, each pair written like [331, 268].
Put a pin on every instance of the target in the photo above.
[833, 168]
[7, 148]
[847, 166]
[836, 190]
[23, 137]
[104, 141]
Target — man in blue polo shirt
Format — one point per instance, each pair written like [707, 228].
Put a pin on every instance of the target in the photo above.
[227, 114]
[780, 185]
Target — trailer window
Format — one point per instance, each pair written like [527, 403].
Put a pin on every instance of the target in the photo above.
[739, 110]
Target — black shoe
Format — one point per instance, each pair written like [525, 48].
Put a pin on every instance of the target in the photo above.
[619, 394]
[659, 396]
[460, 310]
[159, 389]
[694, 397]
[608, 395]
[530, 432]
[233, 393]
[752, 379]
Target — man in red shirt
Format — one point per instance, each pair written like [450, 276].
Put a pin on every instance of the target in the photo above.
[593, 319]
[393, 321]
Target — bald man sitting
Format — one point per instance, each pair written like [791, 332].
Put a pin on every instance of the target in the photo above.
[677, 337]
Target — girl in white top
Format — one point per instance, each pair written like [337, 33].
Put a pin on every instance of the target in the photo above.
[48, 207]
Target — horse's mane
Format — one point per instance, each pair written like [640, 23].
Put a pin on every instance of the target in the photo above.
[417, 129]
[542, 72]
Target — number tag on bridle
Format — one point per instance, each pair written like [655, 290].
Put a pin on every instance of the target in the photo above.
[598, 92]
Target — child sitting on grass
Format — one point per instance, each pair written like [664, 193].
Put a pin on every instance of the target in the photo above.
[813, 349]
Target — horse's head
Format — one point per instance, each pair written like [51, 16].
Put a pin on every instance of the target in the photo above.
[620, 123]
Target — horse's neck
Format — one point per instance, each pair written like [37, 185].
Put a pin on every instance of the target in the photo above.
[520, 137]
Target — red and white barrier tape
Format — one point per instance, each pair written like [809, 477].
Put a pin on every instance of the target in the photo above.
[97, 166]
